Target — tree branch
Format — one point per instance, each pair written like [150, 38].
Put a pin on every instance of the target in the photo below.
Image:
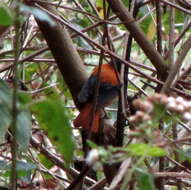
[172, 78]
[65, 54]
[148, 48]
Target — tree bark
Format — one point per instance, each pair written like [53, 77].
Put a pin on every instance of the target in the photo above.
[130, 23]
[65, 54]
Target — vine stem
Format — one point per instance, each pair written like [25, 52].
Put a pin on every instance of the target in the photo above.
[14, 147]
[169, 80]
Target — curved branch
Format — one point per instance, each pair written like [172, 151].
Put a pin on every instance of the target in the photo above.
[65, 54]
[131, 25]
[172, 78]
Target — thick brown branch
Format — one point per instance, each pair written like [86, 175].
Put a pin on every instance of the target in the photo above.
[172, 78]
[65, 54]
[124, 15]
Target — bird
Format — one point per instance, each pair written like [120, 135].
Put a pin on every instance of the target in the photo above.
[108, 91]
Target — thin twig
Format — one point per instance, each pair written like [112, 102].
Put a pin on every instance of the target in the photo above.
[176, 6]
[14, 146]
[187, 27]
[176, 154]
[172, 78]
[99, 185]
[159, 26]
[57, 160]
[172, 175]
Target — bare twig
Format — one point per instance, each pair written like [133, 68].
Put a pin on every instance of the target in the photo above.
[118, 178]
[183, 32]
[159, 26]
[14, 146]
[166, 87]
[173, 75]
[57, 160]
[172, 175]
[176, 6]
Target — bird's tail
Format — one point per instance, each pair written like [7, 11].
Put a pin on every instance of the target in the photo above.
[84, 119]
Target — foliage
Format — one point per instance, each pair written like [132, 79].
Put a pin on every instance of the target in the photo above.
[52, 117]
[23, 119]
[145, 180]
[6, 18]
[37, 13]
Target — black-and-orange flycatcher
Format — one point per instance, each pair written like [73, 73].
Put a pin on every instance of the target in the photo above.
[108, 91]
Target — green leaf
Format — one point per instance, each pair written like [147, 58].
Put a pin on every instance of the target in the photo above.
[52, 116]
[21, 166]
[147, 21]
[185, 154]
[142, 149]
[5, 115]
[25, 166]
[5, 93]
[4, 165]
[6, 18]
[45, 161]
[92, 144]
[23, 132]
[126, 3]
[23, 117]
[4, 121]
[24, 98]
[144, 179]
[38, 13]
[165, 20]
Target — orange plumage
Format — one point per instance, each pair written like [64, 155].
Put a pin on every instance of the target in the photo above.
[85, 117]
[107, 74]
[109, 88]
